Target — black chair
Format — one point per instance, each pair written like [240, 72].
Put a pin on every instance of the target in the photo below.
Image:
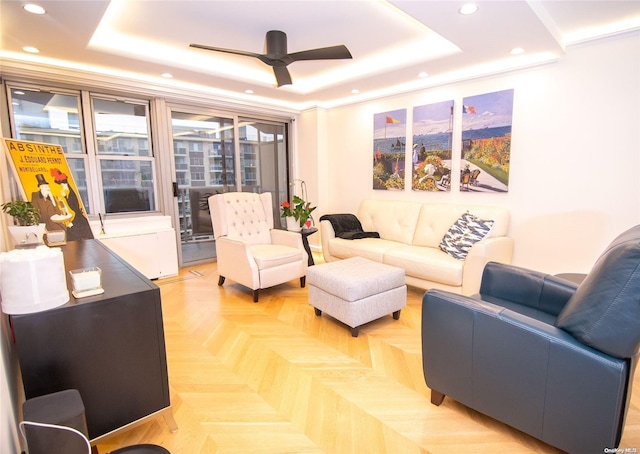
[125, 200]
[542, 354]
[55, 424]
[200, 215]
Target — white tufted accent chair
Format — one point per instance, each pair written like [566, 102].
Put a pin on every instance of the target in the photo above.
[250, 251]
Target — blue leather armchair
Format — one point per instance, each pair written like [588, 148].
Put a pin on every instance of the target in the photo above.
[539, 353]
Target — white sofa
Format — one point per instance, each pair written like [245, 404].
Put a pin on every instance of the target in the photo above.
[410, 235]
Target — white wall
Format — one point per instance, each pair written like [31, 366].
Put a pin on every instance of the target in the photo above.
[574, 181]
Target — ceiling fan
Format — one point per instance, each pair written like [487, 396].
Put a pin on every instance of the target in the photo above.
[277, 57]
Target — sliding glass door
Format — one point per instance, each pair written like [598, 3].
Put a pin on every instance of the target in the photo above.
[214, 154]
[263, 160]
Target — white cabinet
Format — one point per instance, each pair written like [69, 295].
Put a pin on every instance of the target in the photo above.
[150, 249]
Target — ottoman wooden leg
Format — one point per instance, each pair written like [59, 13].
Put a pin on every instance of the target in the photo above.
[396, 315]
[318, 311]
[354, 332]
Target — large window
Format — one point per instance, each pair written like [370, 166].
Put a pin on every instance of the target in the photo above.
[124, 155]
[119, 150]
[118, 146]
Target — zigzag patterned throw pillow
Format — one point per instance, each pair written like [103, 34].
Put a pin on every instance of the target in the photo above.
[466, 231]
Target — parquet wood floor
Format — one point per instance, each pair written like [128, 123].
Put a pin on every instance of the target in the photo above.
[271, 377]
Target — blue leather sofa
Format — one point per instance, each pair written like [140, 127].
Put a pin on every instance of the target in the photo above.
[539, 353]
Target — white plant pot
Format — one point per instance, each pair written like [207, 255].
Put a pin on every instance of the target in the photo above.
[293, 225]
[27, 233]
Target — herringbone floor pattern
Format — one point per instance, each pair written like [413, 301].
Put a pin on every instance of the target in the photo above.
[272, 377]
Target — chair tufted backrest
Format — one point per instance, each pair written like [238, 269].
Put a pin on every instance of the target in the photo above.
[243, 216]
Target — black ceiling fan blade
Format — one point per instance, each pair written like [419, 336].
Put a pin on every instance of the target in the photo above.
[276, 54]
[228, 51]
[282, 75]
[324, 53]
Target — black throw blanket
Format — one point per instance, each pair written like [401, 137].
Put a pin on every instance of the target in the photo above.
[348, 226]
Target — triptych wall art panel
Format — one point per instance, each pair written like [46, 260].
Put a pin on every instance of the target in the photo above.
[485, 153]
[389, 149]
[484, 146]
[432, 140]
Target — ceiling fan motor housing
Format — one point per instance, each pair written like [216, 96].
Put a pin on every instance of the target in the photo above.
[275, 44]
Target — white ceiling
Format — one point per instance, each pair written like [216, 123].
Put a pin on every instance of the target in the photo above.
[391, 42]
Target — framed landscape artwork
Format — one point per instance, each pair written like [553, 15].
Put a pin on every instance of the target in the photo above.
[485, 152]
[431, 153]
[389, 148]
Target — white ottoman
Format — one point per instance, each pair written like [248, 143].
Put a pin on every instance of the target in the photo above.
[357, 291]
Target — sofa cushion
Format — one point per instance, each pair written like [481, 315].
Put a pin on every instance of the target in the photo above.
[604, 312]
[463, 234]
[369, 248]
[426, 263]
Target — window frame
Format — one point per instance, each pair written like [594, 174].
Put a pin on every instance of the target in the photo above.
[99, 158]
[161, 102]
[88, 141]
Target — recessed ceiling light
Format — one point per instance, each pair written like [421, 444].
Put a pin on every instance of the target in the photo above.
[167, 75]
[468, 8]
[249, 91]
[30, 49]
[33, 8]
[517, 51]
[423, 74]
[355, 91]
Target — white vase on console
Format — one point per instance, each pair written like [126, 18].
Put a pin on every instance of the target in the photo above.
[292, 224]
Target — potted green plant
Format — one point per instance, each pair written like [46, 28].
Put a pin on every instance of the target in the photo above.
[27, 227]
[24, 213]
[297, 214]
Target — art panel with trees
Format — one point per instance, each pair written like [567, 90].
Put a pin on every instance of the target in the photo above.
[485, 151]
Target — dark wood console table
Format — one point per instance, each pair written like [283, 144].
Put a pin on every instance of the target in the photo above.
[110, 347]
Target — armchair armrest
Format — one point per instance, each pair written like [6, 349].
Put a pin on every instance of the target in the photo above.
[235, 262]
[286, 238]
[526, 287]
[326, 234]
[495, 360]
